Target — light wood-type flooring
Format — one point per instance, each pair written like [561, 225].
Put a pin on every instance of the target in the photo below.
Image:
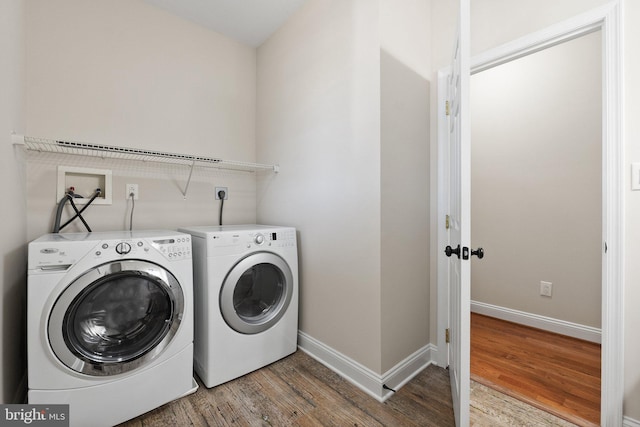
[553, 372]
[299, 391]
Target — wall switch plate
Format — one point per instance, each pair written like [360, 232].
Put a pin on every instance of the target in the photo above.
[131, 188]
[546, 288]
[226, 192]
[635, 176]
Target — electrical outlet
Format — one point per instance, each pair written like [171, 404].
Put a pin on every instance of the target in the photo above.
[131, 188]
[226, 192]
[546, 288]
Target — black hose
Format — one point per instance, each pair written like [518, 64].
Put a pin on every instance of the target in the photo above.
[57, 227]
[56, 224]
[221, 207]
[221, 196]
[77, 215]
[73, 205]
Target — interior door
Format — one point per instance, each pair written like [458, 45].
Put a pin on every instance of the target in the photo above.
[459, 218]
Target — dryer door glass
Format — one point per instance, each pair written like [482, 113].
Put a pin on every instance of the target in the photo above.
[256, 293]
[116, 317]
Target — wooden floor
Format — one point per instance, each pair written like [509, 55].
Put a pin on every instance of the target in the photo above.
[299, 391]
[553, 372]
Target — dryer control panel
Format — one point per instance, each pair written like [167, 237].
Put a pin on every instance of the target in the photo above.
[221, 243]
[281, 239]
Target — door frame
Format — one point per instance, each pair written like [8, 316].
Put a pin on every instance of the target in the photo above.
[606, 18]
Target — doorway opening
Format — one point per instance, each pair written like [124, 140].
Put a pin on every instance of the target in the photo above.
[536, 207]
[607, 19]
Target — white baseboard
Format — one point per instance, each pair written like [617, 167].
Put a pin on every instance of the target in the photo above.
[630, 422]
[575, 330]
[363, 377]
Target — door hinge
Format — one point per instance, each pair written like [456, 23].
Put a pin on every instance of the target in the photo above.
[446, 335]
[446, 108]
[447, 222]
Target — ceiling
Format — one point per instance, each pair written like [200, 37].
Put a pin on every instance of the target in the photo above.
[248, 21]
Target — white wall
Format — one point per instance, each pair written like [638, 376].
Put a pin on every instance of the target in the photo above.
[125, 73]
[536, 182]
[404, 116]
[13, 226]
[318, 116]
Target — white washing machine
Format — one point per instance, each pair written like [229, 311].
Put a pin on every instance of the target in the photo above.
[246, 298]
[109, 323]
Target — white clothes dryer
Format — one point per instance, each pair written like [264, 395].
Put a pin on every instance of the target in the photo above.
[109, 323]
[246, 298]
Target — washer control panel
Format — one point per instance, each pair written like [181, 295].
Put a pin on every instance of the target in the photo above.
[57, 252]
[173, 248]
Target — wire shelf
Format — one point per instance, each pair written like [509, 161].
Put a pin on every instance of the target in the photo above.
[124, 153]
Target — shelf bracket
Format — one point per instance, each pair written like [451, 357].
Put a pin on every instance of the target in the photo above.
[186, 187]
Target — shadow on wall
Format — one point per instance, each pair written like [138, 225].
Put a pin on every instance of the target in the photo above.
[404, 210]
[14, 322]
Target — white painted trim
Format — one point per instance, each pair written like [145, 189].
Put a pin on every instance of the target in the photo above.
[443, 234]
[407, 369]
[612, 382]
[550, 324]
[570, 29]
[361, 376]
[630, 422]
[609, 19]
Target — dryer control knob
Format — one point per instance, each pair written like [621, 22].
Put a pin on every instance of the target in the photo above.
[123, 248]
[258, 239]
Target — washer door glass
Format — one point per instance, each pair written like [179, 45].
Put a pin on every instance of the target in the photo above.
[256, 293]
[116, 317]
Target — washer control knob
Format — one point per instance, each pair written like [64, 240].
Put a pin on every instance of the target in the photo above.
[123, 248]
[258, 239]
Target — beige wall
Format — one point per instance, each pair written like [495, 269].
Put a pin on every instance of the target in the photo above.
[161, 203]
[404, 124]
[536, 182]
[128, 74]
[318, 116]
[13, 226]
[343, 106]
[632, 210]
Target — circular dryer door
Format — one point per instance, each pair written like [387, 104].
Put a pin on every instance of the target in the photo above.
[116, 317]
[256, 293]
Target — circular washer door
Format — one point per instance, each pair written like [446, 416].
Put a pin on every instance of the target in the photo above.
[116, 317]
[256, 293]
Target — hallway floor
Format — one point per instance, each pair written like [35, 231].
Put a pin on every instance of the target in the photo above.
[553, 372]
